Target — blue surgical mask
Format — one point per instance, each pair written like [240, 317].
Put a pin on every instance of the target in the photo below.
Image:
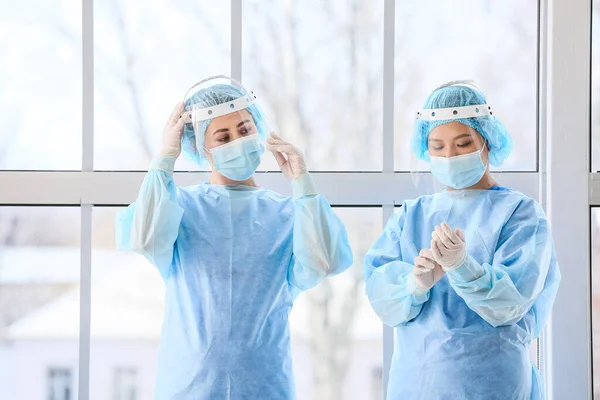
[459, 172]
[239, 159]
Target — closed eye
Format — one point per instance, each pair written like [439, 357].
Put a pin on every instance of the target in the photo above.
[245, 130]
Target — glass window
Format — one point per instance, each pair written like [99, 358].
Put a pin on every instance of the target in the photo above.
[40, 85]
[127, 314]
[146, 58]
[60, 384]
[39, 301]
[595, 248]
[377, 383]
[493, 43]
[317, 66]
[337, 339]
[126, 384]
[595, 110]
[534, 352]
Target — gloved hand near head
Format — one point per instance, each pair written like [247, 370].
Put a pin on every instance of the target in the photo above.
[171, 146]
[208, 101]
[289, 157]
[293, 165]
[227, 128]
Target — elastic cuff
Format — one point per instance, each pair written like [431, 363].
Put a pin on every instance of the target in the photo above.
[304, 186]
[164, 163]
[458, 264]
[469, 271]
[413, 287]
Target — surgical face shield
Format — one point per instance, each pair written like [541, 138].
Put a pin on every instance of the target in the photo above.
[218, 113]
[449, 152]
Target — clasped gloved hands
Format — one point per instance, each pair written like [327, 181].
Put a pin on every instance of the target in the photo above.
[448, 247]
[427, 271]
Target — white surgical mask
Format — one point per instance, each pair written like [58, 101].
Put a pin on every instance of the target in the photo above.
[459, 172]
[239, 159]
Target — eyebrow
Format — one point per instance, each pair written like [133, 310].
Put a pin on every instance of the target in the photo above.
[224, 130]
[462, 136]
[456, 138]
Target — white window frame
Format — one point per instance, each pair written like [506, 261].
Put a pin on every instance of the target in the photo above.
[568, 191]
[562, 182]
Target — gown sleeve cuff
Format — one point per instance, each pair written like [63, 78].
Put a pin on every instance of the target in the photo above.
[468, 271]
[304, 186]
[164, 163]
[413, 288]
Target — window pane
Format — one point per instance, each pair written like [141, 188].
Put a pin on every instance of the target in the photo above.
[60, 384]
[595, 226]
[126, 384]
[127, 314]
[317, 67]
[146, 59]
[40, 85]
[493, 43]
[337, 339]
[596, 86]
[534, 352]
[39, 301]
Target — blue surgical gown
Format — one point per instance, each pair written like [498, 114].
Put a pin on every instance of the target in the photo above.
[468, 337]
[233, 259]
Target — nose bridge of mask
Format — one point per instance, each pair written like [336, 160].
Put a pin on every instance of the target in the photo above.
[237, 148]
[239, 159]
[459, 172]
[447, 164]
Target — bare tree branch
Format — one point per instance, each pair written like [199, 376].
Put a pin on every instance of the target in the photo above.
[10, 121]
[219, 33]
[139, 126]
[298, 66]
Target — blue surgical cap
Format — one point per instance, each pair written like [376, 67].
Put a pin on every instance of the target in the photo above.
[460, 95]
[209, 97]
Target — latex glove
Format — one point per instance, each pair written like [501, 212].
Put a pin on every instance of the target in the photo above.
[289, 157]
[427, 272]
[448, 247]
[171, 146]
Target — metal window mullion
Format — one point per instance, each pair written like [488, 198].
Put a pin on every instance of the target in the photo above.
[118, 188]
[388, 332]
[542, 131]
[594, 195]
[389, 32]
[87, 43]
[541, 161]
[236, 39]
[85, 295]
[389, 20]
[87, 166]
[568, 340]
